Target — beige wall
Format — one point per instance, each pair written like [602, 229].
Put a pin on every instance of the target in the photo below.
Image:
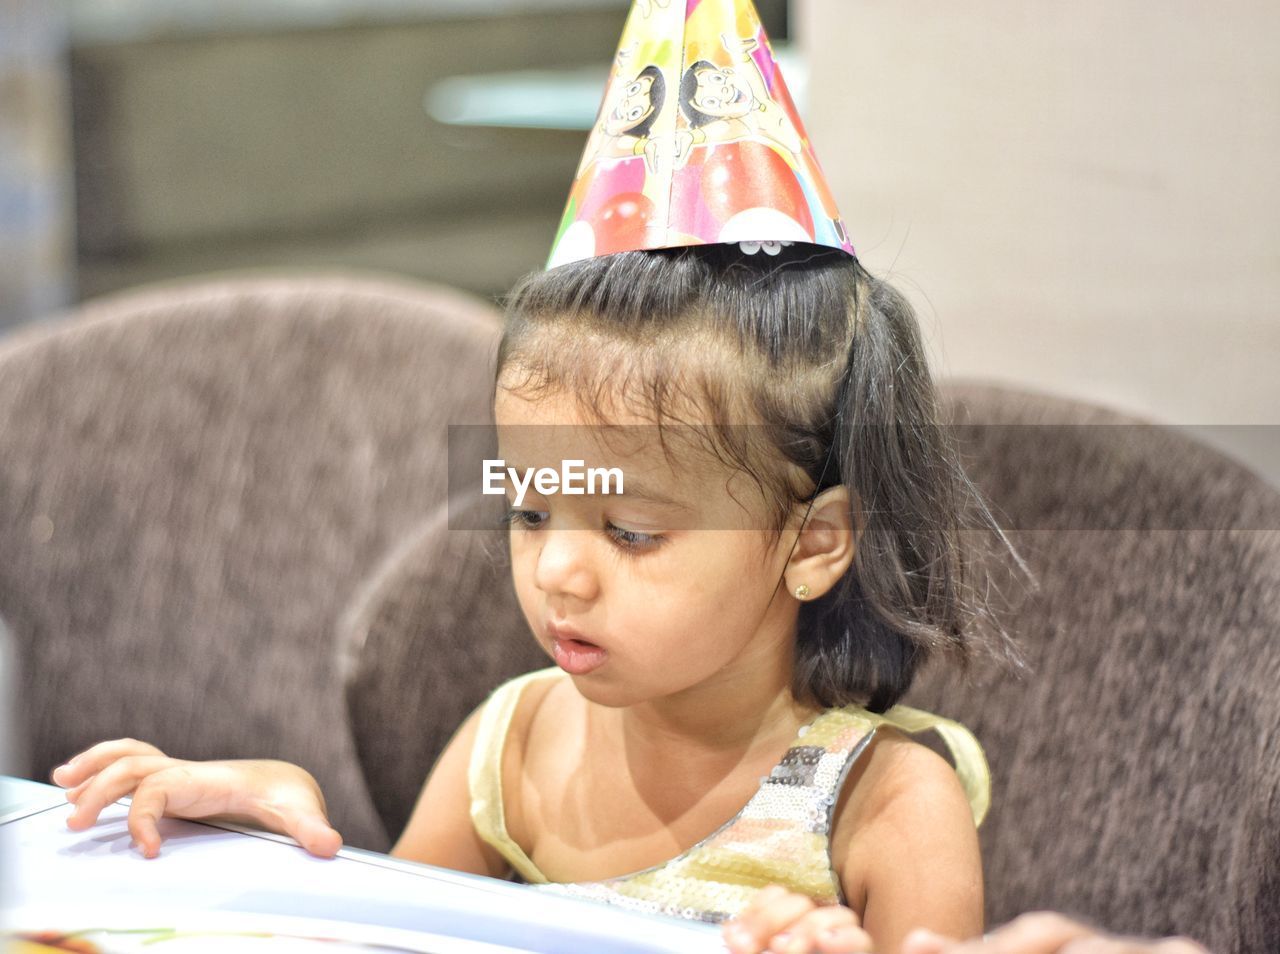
[1078, 197]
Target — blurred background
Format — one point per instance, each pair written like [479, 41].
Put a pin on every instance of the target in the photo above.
[1079, 198]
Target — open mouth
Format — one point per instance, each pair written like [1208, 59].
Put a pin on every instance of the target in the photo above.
[577, 656]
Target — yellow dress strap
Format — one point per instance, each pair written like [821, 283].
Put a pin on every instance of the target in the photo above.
[971, 763]
[484, 773]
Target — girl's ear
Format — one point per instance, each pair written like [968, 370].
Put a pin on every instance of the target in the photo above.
[827, 543]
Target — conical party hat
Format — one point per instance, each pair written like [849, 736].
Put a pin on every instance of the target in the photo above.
[697, 142]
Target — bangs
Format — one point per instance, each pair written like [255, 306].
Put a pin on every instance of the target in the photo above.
[734, 351]
[787, 310]
[691, 395]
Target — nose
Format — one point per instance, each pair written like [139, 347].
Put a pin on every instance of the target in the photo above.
[563, 566]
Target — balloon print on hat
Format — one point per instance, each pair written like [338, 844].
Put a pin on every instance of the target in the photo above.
[697, 142]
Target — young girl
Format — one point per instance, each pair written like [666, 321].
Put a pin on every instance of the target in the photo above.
[719, 738]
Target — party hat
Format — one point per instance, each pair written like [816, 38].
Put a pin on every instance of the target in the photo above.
[697, 142]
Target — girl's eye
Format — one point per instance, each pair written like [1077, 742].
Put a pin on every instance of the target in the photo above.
[634, 541]
[522, 519]
[628, 540]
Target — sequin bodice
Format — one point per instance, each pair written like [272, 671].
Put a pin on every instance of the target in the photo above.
[780, 837]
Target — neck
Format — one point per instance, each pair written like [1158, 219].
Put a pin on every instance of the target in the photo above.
[712, 741]
[744, 709]
[725, 715]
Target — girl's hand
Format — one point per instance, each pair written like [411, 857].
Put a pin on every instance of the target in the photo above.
[1045, 933]
[276, 795]
[783, 922]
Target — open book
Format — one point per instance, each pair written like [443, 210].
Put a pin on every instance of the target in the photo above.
[217, 889]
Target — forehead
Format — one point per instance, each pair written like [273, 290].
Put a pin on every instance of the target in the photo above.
[678, 462]
[553, 419]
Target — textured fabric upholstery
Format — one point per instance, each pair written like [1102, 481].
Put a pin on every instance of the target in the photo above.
[1136, 765]
[195, 480]
[437, 629]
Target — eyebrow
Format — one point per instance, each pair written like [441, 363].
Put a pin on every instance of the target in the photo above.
[639, 490]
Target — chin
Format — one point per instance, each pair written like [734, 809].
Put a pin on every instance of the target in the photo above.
[599, 696]
[605, 689]
[602, 691]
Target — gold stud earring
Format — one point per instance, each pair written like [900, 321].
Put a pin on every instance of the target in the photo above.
[802, 592]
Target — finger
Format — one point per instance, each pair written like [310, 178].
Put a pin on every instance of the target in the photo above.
[1180, 945]
[145, 812]
[1099, 944]
[922, 941]
[769, 913]
[767, 898]
[740, 935]
[845, 940]
[111, 784]
[739, 938]
[94, 759]
[73, 794]
[313, 832]
[848, 940]
[832, 928]
[1041, 932]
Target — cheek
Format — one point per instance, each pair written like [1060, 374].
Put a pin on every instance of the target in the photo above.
[719, 583]
[524, 564]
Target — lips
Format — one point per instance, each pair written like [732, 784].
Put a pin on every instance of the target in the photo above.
[573, 653]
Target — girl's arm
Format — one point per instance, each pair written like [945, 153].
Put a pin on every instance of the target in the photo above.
[908, 858]
[440, 832]
[913, 857]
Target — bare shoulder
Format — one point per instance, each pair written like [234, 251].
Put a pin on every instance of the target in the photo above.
[541, 700]
[440, 829]
[903, 801]
[896, 765]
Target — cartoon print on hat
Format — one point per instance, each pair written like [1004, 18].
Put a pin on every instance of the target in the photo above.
[697, 142]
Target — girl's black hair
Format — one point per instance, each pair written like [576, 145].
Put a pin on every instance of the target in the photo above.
[827, 363]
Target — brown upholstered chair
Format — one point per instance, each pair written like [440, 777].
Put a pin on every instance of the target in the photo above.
[195, 481]
[1137, 765]
[438, 628]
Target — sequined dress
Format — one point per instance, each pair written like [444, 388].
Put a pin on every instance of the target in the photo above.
[780, 837]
